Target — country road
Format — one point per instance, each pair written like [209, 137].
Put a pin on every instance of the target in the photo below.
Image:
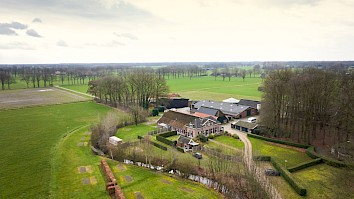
[252, 167]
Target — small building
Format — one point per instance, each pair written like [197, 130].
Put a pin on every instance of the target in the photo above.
[114, 140]
[251, 103]
[174, 102]
[186, 143]
[244, 126]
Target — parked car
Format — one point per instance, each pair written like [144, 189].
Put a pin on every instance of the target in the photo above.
[252, 120]
[198, 155]
[272, 172]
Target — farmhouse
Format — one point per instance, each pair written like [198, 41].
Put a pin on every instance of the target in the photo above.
[186, 143]
[190, 125]
[244, 126]
[231, 111]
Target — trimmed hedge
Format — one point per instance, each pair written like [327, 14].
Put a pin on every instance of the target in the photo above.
[311, 152]
[305, 165]
[262, 158]
[140, 137]
[168, 134]
[289, 178]
[166, 141]
[159, 146]
[305, 146]
[161, 108]
[155, 112]
[180, 149]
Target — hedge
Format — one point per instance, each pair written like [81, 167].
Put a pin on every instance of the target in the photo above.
[262, 158]
[166, 141]
[168, 134]
[159, 146]
[311, 152]
[289, 178]
[161, 108]
[305, 165]
[180, 149]
[140, 137]
[155, 112]
[305, 146]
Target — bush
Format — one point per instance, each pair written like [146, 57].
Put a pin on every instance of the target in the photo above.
[161, 109]
[305, 165]
[159, 146]
[166, 141]
[235, 136]
[180, 149]
[155, 112]
[140, 137]
[168, 134]
[262, 158]
[202, 138]
[289, 178]
[211, 136]
[311, 152]
[305, 146]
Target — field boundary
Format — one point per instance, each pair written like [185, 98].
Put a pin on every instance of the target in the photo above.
[73, 91]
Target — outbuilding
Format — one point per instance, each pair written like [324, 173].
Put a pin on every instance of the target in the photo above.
[244, 126]
[114, 140]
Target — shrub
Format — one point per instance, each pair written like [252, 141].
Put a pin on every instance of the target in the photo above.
[161, 108]
[262, 158]
[154, 112]
[235, 136]
[168, 134]
[140, 137]
[289, 178]
[166, 141]
[305, 146]
[202, 138]
[211, 136]
[180, 149]
[159, 146]
[305, 165]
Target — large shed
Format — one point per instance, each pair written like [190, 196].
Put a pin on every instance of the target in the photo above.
[244, 126]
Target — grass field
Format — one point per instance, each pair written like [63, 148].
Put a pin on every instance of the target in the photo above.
[27, 137]
[207, 87]
[80, 88]
[130, 133]
[152, 185]
[280, 152]
[68, 159]
[236, 143]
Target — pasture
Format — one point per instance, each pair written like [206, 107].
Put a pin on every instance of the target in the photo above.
[37, 96]
[27, 137]
[134, 180]
[130, 133]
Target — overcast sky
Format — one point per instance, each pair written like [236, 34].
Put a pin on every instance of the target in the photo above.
[74, 31]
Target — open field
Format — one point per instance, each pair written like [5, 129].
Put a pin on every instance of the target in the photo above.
[75, 169]
[152, 184]
[37, 96]
[80, 87]
[232, 142]
[27, 138]
[130, 133]
[207, 87]
[293, 155]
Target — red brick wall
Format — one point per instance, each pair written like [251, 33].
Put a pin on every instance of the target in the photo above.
[112, 187]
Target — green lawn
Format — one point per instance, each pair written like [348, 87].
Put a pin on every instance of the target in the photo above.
[208, 88]
[66, 178]
[157, 185]
[27, 137]
[130, 133]
[80, 87]
[236, 143]
[293, 156]
[173, 138]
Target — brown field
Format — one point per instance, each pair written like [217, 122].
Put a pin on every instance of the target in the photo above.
[37, 96]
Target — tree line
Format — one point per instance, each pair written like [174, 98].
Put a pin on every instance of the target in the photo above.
[310, 105]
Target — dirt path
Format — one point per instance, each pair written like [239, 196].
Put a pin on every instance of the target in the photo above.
[59, 87]
[252, 167]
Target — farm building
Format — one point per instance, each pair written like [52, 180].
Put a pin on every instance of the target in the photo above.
[186, 143]
[190, 125]
[175, 102]
[231, 111]
[244, 126]
[251, 103]
[231, 100]
[114, 140]
[219, 115]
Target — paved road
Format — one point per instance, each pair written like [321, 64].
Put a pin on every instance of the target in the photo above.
[252, 167]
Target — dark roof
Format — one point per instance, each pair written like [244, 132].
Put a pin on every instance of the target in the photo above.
[199, 122]
[226, 108]
[176, 119]
[183, 139]
[251, 103]
[246, 124]
[206, 110]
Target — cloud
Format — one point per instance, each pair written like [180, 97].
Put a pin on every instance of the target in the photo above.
[113, 43]
[16, 45]
[32, 33]
[62, 43]
[7, 31]
[37, 20]
[14, 25]
[126, 35]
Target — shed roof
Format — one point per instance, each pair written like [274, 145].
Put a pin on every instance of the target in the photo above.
[177, 119]
[226, 108]
[231, 100]
[246, 124]
[251, 103]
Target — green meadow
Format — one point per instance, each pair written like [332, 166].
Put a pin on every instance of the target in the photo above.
[27, 137]
[130, 133]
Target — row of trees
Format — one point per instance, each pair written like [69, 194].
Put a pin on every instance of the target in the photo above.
[131, 87]
[309, 105]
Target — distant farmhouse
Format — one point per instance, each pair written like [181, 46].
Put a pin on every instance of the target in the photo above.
[244, 108]
[190, 125]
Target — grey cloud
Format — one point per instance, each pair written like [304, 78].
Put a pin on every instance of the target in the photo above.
[126, 35]
[37, 20]
[32, 33]
[62, 43]
[14, 25]
[7, 31]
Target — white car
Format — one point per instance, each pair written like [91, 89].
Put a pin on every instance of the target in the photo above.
[252, 120]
